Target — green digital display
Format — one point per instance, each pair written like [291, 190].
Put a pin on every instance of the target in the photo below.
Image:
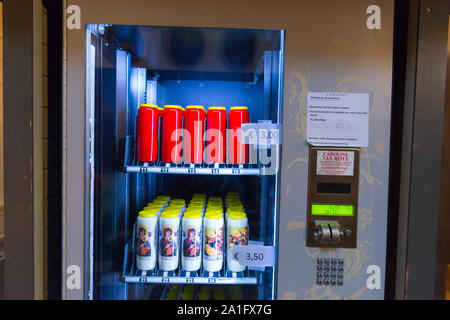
[339, 210]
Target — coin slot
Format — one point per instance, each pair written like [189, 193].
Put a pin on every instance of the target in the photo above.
[331, 232]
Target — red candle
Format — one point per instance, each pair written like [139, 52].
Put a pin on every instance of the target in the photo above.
[237, 151]
[147, 133]
[172, 126]
[216, 128]
[160, 114]
[194, 122]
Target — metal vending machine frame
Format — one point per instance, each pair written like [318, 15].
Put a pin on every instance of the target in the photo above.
[346, 54]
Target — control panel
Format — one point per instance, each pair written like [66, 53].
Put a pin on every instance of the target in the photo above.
[332, 215]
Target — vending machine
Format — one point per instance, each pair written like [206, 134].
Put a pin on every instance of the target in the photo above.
[226, 150]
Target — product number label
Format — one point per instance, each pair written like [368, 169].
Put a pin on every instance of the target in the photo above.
[165, 279]
[211, 280]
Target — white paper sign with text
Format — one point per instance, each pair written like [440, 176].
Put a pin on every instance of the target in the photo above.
[338, 119]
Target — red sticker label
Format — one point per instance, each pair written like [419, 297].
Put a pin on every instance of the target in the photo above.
[335, 163]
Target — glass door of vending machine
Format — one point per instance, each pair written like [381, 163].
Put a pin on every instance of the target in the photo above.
[184, 157]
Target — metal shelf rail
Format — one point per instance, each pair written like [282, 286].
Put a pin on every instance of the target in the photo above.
[131, 165]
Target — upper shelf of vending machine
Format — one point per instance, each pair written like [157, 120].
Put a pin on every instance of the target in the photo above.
[131, 165]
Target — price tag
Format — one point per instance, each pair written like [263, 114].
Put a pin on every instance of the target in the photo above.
[254, 255]
[263, 134]
[268, 137]
[250, 134]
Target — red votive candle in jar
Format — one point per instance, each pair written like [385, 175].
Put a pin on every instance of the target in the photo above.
[172, 133]
[237, 151]
[147, 133]
[160, 114]
[216, 129]
[194, 123]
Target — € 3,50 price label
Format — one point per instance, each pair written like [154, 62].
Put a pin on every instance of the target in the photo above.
[254, 255]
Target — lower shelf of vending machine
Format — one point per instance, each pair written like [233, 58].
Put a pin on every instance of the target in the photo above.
[130, 274]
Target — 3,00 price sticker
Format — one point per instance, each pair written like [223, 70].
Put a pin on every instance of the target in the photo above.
[263, 134]
[254, 255]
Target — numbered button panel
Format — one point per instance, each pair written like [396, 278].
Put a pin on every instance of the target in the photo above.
[330, 272]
